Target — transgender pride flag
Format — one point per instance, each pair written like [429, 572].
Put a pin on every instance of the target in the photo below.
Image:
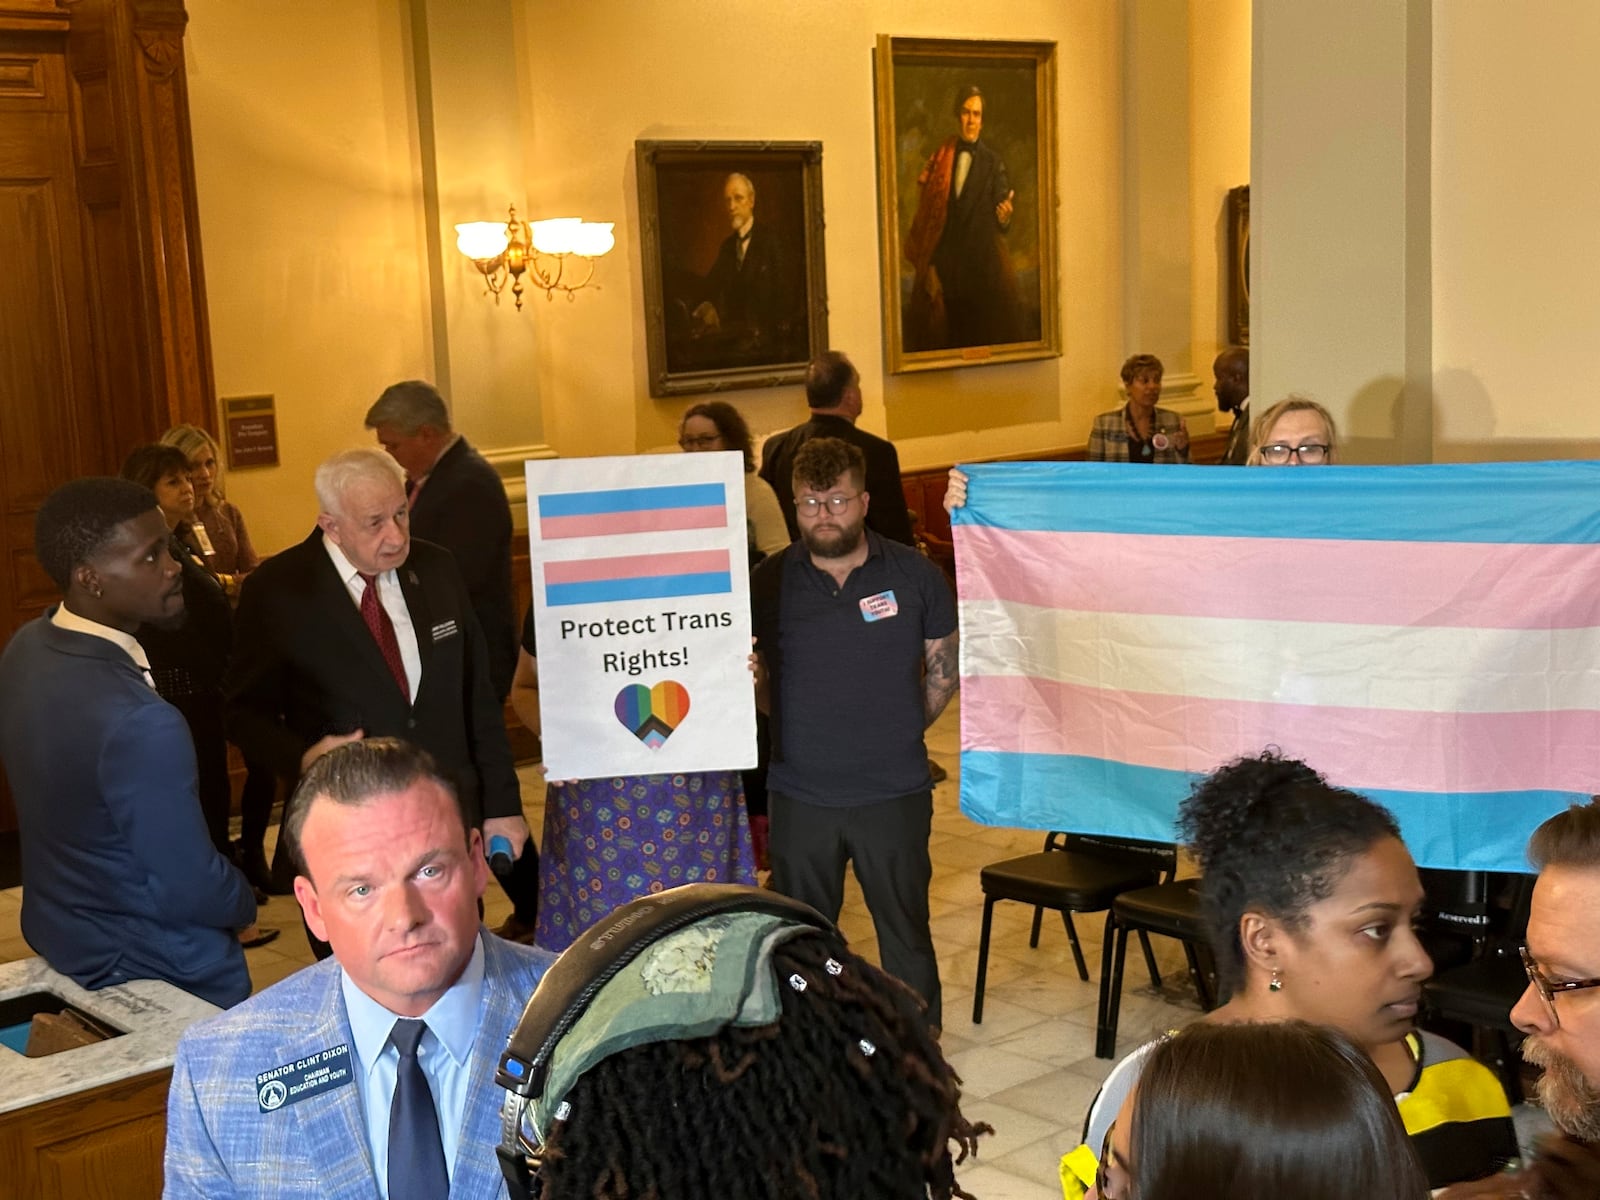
[633, 510]
[1429, 636]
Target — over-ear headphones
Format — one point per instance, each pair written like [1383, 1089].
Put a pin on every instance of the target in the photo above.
[572, 984]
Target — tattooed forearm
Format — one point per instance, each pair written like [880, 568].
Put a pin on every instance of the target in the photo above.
[942, 678]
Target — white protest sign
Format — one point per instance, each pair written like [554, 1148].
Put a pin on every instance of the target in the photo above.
[641, 611]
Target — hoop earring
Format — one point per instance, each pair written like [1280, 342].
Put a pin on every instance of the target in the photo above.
[1275, 984]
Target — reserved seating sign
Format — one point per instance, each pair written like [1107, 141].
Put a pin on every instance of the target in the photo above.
[641, 609]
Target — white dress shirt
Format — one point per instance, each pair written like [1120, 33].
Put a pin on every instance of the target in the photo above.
[394, 603]
[65, 618]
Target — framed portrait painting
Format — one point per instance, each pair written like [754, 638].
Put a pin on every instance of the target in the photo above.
[735, 286]
[967, 201]
[1238, 267]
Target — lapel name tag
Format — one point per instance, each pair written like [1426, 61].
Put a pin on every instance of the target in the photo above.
[879, 607]
[304, 1078]
[444, 629]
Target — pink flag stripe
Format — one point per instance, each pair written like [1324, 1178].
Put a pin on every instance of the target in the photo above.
[654, 520]
[636, 566]
[1477, 585]
[1356, 747]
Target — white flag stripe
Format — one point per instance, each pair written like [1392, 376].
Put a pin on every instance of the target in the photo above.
[1293, 662]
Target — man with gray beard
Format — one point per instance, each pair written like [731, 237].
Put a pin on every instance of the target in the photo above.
[1560, 1012]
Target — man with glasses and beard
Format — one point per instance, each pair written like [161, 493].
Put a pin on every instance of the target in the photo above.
[857, 640]
[1560, 1011]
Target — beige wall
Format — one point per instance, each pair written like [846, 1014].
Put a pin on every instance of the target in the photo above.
[310, 222]
[1516, 235]
[327, 188]
[1219, 156]
[804, 71]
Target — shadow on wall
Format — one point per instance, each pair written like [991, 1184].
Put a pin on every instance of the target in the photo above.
[1465, 429]
[1453, 423]
[1374, 425]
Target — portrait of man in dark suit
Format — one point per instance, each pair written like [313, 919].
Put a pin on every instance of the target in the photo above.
[964, 291]
[733, 261]
[967, 201]
[748, 306]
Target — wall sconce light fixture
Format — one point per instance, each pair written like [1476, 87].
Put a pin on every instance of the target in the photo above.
[541, 249]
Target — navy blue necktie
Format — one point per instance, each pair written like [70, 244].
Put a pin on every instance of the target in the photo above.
[416, 1155]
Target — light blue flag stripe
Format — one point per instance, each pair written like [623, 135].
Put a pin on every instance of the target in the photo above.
[587, 504]
[648, 587]
[1477, 831]
[1535, 502]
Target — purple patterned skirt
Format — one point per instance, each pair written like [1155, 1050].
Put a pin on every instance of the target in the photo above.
[608, 841]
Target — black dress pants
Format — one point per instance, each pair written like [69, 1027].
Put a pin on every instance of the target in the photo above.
[888, 844]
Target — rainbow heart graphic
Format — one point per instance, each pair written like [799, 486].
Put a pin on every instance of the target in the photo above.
[651, 714]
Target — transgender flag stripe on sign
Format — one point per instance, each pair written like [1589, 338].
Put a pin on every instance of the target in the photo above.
[1429, 636]
[637, 577]
[633, 510]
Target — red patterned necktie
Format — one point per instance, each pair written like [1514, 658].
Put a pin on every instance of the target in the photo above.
[377, 619]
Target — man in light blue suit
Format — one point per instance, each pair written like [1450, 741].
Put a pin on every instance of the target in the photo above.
[373, 1072]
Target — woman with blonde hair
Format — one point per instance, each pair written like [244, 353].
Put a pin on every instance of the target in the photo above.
[1294, 432]
[218, 523]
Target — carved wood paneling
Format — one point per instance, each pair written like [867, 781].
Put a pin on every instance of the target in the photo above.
[101, 291]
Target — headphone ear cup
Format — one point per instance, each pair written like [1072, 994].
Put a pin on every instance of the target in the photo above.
[574, 979]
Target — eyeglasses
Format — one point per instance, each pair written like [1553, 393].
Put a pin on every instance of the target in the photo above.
[1102, 1174]
[700, 443]
[811, 505]
[1547, 988]
[1311, 453]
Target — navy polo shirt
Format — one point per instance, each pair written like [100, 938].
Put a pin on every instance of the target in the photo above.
[847, 689]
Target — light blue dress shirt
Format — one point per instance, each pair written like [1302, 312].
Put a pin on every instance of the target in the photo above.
[444, 1054]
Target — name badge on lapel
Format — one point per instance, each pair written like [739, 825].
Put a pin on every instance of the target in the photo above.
[304, 1078]
[443, 630]
[879, 607]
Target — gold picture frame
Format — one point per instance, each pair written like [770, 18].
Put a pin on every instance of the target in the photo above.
[724, 311]
[1239, 265]
[967, 223]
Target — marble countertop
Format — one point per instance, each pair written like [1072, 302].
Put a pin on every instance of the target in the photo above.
[153, 1013]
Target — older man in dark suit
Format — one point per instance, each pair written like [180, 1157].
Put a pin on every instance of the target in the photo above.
[458, 502]
[363, 631]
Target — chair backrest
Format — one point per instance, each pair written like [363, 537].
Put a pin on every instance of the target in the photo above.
[1457, 899]
[1455, 916]
[1160, 858]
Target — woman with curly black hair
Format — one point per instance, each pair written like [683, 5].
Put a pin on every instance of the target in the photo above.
[1310, 898]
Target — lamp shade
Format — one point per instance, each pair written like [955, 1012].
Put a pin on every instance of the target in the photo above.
[593, 239]
[555, 235]
[480, 240]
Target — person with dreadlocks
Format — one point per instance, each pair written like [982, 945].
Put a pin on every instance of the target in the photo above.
[747, 1053]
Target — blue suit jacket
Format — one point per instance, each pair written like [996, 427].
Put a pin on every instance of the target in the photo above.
[120, 880]
[221, 1146]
